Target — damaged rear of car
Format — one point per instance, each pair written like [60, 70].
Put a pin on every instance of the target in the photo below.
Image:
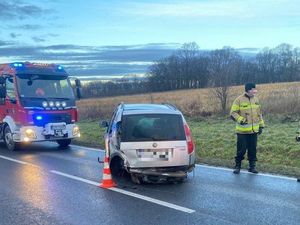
[151, 142]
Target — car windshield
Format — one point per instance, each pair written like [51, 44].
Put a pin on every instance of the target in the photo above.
[44, 86]
[152, 127]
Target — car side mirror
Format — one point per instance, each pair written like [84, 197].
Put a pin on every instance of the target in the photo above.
[2, 87]
[2, 80]
[104, 124]
[13, 101]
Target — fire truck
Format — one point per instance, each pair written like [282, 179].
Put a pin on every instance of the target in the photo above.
[37, 103]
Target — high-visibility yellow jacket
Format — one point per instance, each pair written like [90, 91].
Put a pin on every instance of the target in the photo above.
[246, 111]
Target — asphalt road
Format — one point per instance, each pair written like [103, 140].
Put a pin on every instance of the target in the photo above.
[43, 184]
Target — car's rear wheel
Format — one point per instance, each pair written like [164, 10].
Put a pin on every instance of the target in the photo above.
[8, 139]
[64, 143]
[117, 167]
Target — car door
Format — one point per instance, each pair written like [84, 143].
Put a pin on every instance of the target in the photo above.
[9, 108]
[109, 133]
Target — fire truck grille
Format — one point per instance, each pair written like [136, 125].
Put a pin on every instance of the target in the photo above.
[43, 119]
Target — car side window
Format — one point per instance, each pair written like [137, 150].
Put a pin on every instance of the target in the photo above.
[119, 133]
[10, 90]
[110, 127]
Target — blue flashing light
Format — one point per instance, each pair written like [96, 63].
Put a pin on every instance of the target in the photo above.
[18, 64]
[39, 117]
[60, 68]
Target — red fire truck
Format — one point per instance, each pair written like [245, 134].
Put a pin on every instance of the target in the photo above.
[37, 103]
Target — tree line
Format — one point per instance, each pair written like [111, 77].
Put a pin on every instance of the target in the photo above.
[189, 67]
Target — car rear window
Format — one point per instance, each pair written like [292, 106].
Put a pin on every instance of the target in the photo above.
[152, 127]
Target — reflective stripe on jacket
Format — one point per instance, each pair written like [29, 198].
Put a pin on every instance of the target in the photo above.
[246, 111]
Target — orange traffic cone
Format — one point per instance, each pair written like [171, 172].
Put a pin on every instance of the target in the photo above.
[107, 181]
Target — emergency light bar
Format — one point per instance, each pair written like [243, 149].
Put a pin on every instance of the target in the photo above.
[38, 68]
[18, 64]
[45, 65]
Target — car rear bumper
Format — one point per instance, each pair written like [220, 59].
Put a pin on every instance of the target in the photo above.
[177, 171]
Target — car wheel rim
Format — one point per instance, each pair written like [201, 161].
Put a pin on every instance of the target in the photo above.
[8, 139]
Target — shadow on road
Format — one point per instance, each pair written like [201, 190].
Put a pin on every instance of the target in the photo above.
[36, 148]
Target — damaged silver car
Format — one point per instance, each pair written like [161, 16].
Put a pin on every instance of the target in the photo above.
[150, 142]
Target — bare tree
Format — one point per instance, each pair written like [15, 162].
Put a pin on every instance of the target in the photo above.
[188, 54]
[223, 68]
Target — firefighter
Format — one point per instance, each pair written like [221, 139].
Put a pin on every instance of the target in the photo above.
[39, 92]
[246, 111]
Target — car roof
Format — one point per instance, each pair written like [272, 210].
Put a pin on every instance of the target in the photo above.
[129, 109]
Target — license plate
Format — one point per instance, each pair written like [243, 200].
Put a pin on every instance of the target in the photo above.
[58, 133]
[155, 154]
[58, 127]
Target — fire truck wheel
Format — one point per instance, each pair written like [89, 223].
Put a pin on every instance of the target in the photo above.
[64, 143]
[10, 144]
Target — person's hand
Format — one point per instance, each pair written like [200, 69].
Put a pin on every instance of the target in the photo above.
[243, 122]
[260, 130]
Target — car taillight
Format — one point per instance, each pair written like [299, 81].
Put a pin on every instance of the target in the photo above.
[189, 139]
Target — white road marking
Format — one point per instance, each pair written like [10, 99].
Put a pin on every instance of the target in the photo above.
[153, 200]
[17, 161]
[142, 197]
[246, 172]
[75, 177]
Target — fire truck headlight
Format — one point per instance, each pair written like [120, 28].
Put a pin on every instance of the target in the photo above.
[57, 104]
[63, 104]
[76, 132]
[29, 133]
[51, 104]
[26, 139]
[45, 104]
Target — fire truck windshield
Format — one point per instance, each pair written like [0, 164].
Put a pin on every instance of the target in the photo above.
[44, 86]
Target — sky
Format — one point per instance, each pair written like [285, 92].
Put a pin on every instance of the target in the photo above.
[114, 37]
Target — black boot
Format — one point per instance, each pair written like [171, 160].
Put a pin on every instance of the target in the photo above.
[252, 168]
[237, 168]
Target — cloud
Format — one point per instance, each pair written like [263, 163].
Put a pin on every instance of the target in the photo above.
[91, 60]
[38, 39]
[42, 38]
[214, 9]
[96, 60]
[14, 35]
[29, 27]
[4, 43]
[18, 10]
[185, 9]
[53, 35]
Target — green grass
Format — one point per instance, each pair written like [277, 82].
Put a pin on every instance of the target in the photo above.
[215, 140]
[91, 134]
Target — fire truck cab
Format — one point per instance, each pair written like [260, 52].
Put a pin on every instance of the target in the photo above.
[37, 103]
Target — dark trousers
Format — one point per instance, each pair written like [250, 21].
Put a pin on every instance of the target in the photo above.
[246, 142]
